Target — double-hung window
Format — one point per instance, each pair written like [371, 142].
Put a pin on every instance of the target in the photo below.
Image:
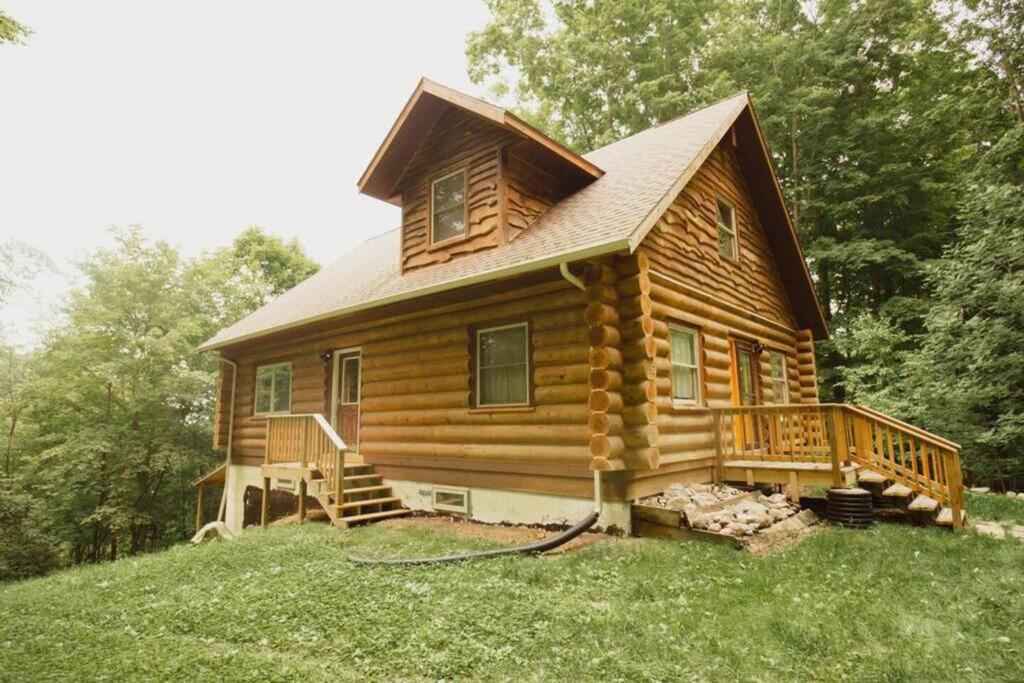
[448, 206]
[780, 381]
[274, 389]
[725, 217]
[503, 366]
[683, 356]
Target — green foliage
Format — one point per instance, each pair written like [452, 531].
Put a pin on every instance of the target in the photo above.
[109, 422]
[893, 603]
[11, 31]
[19, 263]
[26, 549]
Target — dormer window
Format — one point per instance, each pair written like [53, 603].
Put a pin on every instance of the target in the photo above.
[448, 217]
[725, 217]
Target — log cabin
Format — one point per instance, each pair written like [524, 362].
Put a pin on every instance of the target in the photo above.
[544, 327]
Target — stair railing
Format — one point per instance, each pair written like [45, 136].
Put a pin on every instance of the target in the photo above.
[308, 441]
[840, 434]
[920, 460]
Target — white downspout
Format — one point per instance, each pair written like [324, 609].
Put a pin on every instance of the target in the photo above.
[563, 268]
[231, 433]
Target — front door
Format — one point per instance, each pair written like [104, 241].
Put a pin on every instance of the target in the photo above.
[747, 375]
[348, 398]
[749, 429]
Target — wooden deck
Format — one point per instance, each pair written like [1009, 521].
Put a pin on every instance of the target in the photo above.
[833, 445]
[753, 472]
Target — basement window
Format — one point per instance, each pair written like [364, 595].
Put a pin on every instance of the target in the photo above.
[725, 217]
[780, 381]
[683, 356]
[502, 366]
[450, 499]
[448, 217]
[274, 389]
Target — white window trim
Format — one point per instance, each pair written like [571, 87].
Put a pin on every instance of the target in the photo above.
[529, 369]
[273, 382]
[464, 172]
[731, 229]
[784, 378]
[698, 388]
[454, 490]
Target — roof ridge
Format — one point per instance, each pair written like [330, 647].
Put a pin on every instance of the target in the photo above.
[669, 121]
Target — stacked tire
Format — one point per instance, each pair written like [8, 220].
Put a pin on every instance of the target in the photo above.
[850, 508]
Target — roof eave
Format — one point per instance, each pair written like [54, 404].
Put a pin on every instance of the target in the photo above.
[477, 278]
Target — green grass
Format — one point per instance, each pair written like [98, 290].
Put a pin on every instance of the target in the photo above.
[893, 603]
[994, 507]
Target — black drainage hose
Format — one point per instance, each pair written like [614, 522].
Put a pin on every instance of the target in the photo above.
[538, 547]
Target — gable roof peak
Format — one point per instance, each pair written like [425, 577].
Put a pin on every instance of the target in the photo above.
[425, 106]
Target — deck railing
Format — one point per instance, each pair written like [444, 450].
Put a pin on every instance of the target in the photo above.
[308, 441]
[840, 435]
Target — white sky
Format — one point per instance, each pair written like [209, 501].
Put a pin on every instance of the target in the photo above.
[196, 119]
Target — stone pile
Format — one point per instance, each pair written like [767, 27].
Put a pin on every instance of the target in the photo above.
[746, 516]
[691, 497]
[724, 509]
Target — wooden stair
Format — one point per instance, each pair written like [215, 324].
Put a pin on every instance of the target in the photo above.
[897, 499]
[365, 497]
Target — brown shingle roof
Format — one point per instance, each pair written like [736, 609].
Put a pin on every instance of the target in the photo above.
[643, 174]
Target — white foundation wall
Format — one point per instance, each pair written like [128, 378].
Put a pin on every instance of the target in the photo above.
[494, 506]
[239, 477]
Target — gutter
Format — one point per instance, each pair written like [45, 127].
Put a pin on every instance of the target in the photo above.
[599, 249]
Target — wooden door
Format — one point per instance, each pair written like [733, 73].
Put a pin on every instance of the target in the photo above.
[349, 369]
[746, 391]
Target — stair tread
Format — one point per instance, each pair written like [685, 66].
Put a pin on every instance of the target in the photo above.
[898, 491]
[366, 489]
[370, 516]
[945, 517]
[871, 477]
[924, 503]
[360, 477]
[369, 501]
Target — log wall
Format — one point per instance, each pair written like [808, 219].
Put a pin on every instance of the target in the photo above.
[417, 418]
[458, 139]
[222, 399]
[684, 241]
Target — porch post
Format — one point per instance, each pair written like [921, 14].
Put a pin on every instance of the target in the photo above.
[265, 503]
[839, 449]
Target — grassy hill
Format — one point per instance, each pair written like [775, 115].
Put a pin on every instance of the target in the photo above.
[894, 603]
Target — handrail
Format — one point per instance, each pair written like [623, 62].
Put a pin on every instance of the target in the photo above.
[308, 440]
[892, 421]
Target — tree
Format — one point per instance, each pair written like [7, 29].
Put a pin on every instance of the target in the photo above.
[854, 98]
[26, 547]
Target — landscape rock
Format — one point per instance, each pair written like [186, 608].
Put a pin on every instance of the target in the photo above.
[993, 529]
[1020, 496]
[1011, 494]
[980, 489]
[1017, 531]
[724, 509]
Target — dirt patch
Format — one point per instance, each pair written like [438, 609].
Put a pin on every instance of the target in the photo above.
[500, 533]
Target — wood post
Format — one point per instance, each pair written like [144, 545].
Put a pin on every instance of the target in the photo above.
[265, 503]
[199, 505]
[339, 476]
[302, 498]
[839, 448]
[716, 428]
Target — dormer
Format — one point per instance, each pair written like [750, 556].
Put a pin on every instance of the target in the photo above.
[468, 176]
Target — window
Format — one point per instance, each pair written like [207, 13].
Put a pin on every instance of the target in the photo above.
[725, 216]
[448, 206]
[683, 355]
[451, 499]
[780, 381]
[274, 389]
[502, 366]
